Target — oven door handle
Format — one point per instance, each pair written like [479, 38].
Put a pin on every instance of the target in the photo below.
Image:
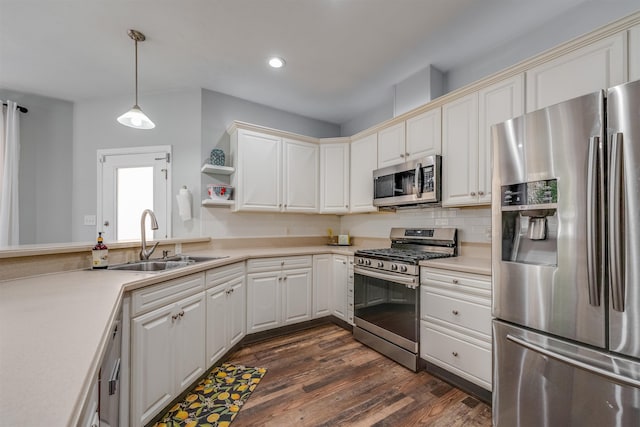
[408, 281]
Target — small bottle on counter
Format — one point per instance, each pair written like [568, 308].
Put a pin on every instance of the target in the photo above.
[100, 254]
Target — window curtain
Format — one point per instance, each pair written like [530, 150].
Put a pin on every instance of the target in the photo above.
[9, 162]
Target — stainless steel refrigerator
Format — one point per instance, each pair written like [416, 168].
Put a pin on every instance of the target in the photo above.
[566, 263]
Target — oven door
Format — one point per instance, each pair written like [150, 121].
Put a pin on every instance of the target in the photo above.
[387, 305]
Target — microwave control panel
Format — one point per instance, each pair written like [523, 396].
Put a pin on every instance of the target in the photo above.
[428, 185]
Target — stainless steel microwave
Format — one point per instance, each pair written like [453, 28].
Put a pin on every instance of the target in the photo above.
[411, 183]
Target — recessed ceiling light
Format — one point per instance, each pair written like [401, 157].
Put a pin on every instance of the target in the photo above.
[276, 62]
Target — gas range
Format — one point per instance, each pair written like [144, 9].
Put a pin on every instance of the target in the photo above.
[409, 246]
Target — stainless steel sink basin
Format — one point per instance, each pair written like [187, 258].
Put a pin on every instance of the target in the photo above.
[158, 265]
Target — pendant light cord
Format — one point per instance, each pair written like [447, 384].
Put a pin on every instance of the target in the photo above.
[136, 41]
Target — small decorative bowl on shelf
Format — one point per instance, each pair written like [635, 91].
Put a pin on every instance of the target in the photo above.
[219, 191]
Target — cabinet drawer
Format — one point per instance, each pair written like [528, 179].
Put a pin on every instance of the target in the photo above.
[220, 275]
[460, 311]
[143, 300]
[463, 356]
[271, 264]
[464, 282]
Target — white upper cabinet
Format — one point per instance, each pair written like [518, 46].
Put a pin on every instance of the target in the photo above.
[634, 53]
[499, 102]
[424, 134]
[300, 176]
[460, 151]
[596, 66]
[274, 174]
[334, 178]
[257, 179]
[466, 140]
[364, 160]
[391, 145]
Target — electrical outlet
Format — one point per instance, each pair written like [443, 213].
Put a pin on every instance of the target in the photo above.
[178, 248]
[89, 220]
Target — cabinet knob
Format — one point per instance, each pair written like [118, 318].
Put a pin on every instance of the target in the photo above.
[473, 193]
[455, 312]
[285, 278]
[454, 353]
[455, 281]
[281, 262]
[480, 193]
[406, 154]
[402, 155]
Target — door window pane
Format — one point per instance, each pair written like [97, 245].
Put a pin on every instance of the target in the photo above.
[135, 194]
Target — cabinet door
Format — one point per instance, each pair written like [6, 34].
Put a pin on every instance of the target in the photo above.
[237, 311]
[634, 53]
[259, 172]
[499, 102]
[189, 341]
[424, 134]
[296, 295]
[152, 374]
[263, 301]
[300, 176]
[599, 65]
[334, 178]
[340, 273]
[391, 147]
[460, 151]
[321, 282]
[217, 319]
[364, 160]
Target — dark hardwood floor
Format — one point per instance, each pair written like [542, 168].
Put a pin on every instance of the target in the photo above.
[323, 377]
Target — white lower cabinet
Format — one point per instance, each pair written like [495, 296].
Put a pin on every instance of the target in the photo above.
[90, 416]
[279, 292]
[167, 346]
[339, 286]
[226, 310]
[455, 323]
[321, 285]
[350, 302]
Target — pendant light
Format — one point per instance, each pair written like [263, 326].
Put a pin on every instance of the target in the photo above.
[135, 118]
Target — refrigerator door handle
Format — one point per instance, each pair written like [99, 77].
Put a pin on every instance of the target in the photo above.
[594, 204]
[616, 226]
[611, 376]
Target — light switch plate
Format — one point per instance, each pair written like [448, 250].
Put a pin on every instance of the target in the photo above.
[89, 220]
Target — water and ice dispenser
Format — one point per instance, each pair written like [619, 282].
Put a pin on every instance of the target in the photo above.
[530, 222]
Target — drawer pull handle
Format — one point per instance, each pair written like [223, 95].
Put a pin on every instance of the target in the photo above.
[455, 312]
[455, 281]
[455, 353]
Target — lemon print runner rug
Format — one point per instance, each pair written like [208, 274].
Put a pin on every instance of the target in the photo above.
[216, 400]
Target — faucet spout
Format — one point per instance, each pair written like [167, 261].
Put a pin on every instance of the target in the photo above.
[144, 252]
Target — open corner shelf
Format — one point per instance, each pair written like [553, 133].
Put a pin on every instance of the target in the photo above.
[211, 202]
[219, 170]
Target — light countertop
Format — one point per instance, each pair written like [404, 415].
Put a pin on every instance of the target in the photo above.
[465, 264]
[54, 329]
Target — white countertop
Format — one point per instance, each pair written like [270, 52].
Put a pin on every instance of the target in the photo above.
[465, 264]
[54, 329]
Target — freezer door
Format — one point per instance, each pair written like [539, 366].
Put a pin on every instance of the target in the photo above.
[552, 282]
[623, 115]
[539, 381]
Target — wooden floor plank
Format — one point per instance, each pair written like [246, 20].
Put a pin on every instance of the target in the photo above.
[323, 377]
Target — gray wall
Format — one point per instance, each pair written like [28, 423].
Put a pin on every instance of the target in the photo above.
[46, 139]
[178, 120]
[580, 20]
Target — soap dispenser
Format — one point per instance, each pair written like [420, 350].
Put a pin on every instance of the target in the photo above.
[100, 254]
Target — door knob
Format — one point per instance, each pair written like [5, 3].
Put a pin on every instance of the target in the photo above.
[106, 223]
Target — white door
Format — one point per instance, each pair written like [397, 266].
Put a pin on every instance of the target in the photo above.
[424, 134]
[391, 146]
[237, 313]
[296, 296]
[263, 301]
[321, 285]
[340, 273]
[152, 374]
[188, 342]
[258, 172]
[334, 178]
[217, 319]
[129, 181]
[300, 176]
[634, 53]
[364, 160]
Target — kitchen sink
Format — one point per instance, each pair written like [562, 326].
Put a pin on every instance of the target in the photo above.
[162, 264]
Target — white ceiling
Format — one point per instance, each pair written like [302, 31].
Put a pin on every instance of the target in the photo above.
[343, 56]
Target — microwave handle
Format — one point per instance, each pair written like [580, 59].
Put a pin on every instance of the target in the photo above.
[417, 183]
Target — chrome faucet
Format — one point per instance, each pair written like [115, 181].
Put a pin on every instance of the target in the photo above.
[144, 252]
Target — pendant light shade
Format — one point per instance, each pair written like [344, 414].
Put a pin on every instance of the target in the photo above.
[135, 118]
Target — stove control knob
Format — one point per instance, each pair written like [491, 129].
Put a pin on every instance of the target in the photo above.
[360, 261]
[403, 268]
[394, 267]
[367, 262]
[380, 264]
